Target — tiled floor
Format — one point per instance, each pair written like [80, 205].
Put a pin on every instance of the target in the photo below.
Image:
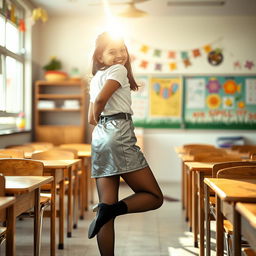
[157, 233]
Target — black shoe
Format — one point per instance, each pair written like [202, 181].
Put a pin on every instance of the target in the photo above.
[104, 214]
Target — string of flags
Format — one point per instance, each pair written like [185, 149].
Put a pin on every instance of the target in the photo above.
[146, 55]
[14, 14]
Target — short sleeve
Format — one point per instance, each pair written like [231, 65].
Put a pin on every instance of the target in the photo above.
[118, 73]
[92, 91]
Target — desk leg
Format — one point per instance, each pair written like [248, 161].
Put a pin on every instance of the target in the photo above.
[53, 217]
[76, 201]
[219, 228]
[11, 231]
[82, 189]
[185, 191]
[61, 214]
[36, 222]
[86, 184]
[201, 211]
[189, 200]
[194, 209]
[237, 232]
[70, 203]
[207, 220]
[182, 186]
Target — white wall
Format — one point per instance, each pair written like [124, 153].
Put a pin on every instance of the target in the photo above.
[71, 39]
[160, 143]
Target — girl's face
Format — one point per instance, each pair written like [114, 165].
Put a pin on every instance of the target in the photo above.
[114, 53]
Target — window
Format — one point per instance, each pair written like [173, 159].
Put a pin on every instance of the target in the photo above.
[12, 63]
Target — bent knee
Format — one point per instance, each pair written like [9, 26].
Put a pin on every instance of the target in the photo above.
[159, 200]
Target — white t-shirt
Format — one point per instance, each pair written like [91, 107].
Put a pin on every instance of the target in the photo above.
[120, 101]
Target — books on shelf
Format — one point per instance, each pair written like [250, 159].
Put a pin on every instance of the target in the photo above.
[48, 104]
[71, 104]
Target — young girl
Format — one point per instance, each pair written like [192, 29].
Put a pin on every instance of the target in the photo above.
[114, 153]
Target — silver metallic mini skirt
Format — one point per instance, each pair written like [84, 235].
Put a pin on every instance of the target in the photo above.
[113, 149]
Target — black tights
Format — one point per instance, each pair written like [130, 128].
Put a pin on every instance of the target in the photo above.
[147, 196]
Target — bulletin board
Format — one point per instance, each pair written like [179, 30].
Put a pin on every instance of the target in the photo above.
[195, 102]
[219, 102]
[158, 102]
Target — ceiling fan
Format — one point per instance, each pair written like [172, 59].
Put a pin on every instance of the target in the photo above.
[131, 11]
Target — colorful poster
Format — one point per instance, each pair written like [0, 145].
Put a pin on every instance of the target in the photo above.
[251, 91]
[220, 102]
[165, 97]
[195, 93]
[140, 99]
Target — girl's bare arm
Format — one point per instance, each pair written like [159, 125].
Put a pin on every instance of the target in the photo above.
[108, 89]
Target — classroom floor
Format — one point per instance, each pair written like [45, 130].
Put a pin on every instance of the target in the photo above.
[157, 233]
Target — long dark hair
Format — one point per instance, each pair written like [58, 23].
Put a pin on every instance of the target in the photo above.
[101, 42]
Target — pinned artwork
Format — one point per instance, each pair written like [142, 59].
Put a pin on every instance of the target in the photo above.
[215, 57]
[213, 85]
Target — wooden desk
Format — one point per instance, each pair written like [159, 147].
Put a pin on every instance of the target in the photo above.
[198, 171]
[8, 202]
[248, 222]
[86, 184]
[26, 190]
[57, 168]
[228, 193]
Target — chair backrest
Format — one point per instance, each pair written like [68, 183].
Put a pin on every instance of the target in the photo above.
[15, 153]
[77, 146]
[4, 156]
[244, 148]
[74, 151]
[23, 148]
[42, 146]
[2, 193]
[21, 167]
[195, 151]
[253, 155]
[53, 155]
[238, 172]
[220, 166]
[216, 158]
[2, 185]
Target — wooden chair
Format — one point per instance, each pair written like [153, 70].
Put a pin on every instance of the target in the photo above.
[24, 167]
[77, 146]
[87, 184]
[244, 148]
[202, 150]
[4, 156]
[22, 147]
[62, 154]
[2, 212]
[40, 146]
[14, 153]
[217, 167]
[248, 252]
[235, 172]
[238, 172]
[253, 155]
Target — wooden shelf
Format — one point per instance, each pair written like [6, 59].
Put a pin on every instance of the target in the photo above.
[59, 96]
[58, 109]
[64, 125]
[59, 83]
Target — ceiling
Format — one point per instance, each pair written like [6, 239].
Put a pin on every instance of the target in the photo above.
[152, 7]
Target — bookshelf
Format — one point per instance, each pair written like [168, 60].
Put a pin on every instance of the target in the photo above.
[60, 111]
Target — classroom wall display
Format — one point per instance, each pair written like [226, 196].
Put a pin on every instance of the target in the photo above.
[199, 102]
[220, 102]
[158, 102]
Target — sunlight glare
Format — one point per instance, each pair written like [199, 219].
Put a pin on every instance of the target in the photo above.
[113, 26]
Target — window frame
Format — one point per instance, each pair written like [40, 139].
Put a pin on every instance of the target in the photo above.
[20, 57]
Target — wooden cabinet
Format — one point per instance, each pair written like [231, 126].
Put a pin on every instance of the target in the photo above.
[60, 111]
